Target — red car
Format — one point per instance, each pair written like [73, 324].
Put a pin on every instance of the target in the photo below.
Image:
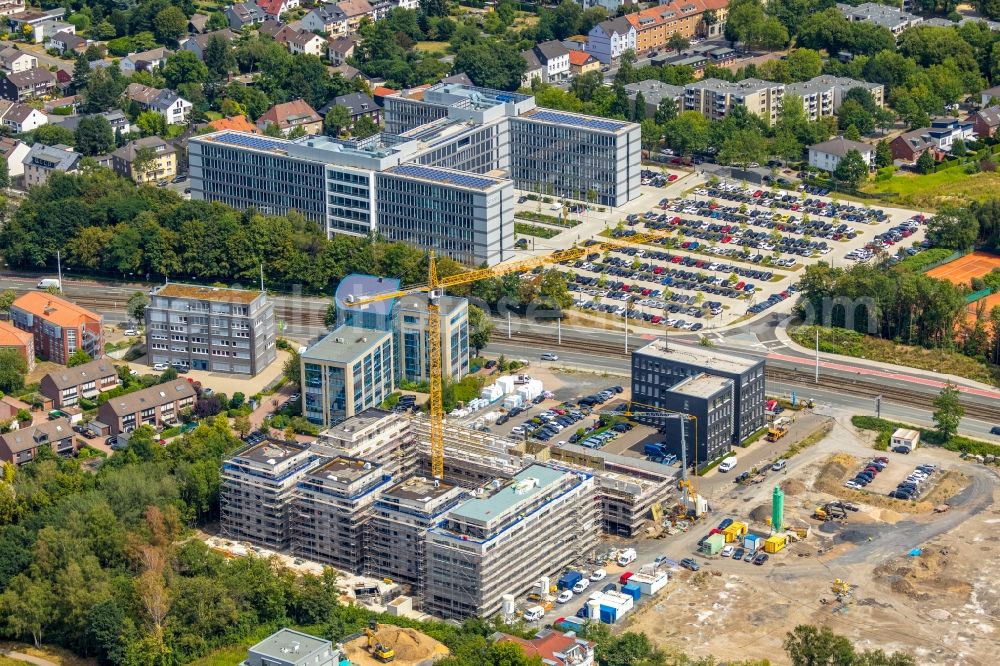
[656, 319]
[676, 259]
[740, 285]
[726, 239]
[671, 178]
[756, 195]
[658, 270]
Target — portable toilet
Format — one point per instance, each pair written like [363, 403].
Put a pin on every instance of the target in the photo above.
[752, 542]
[775, 543]
[633, 591]
[713, 544]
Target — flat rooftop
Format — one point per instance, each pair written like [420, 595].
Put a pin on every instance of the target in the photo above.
[445, 176]
[702, 386]
[294, 147]
[346, 429]
[345, 469]
[703, 356]
[271, 450]
[574, 120]
[345, 344]
[527, 484]
[286, 645]
[217, 294]
[420, 489]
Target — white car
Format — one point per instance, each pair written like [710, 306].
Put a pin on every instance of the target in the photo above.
[160, 367]
[599, 574]
[131, 333]
[728, 551]
[564, 596]
[581, 586]
[549, 356]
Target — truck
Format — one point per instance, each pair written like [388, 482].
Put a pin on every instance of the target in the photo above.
[623, 579]
[569, 579]
[777, 430]
[45, 283]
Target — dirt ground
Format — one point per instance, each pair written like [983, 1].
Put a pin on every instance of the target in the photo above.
[411, 647]
[921, 583]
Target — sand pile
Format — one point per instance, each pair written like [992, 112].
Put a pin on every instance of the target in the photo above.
[410, 646]
[793, 487]
[924, 576]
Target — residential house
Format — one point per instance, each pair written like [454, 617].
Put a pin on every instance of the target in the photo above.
[243, 14]
[533, 70]
[42, 160]
[554, 57]
[10, 406]
[48, 29]
[198, 23]
[355, 10]
[985, 97]
[162, 165]
[292, 114]
[21, 117]
[71, 102]
[307, 42]
[11, 337]
[64, 80]
[22, 445]
[233, 124]
[60, 327]
[581, 62]
[610, 6]
[68, 43]
[279, 32]
[327, 18]
[827, 154]
[15, 152]
[275, 8]
[198, 43]
[886, 16]
[13, 60]
[144, 61]
[157, 405]
[31, 23]
[985, 121]
[117, 119]
[8, 7]
[27, 84]
[67, 385]
[339, 49]
[166, 102]
[938, 138]
[359, 104]
[554, 648]
[609, 39]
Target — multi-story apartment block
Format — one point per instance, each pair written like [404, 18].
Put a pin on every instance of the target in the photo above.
[376, 435]
[41, 161]
[66, 386]
[155, 406]
[331, 508]
[714, 98]
[348, 371]
[59, 327]
[23, 342]
[22, 445]
[397, 538]
[892, 18]
[209, 328]
[655, 26]
[822, 96]
[257, 489]
[660, 378]
[655, 92]
[506, 537]
[146, 160]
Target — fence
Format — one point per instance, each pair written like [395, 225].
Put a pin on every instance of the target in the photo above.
[976, 295]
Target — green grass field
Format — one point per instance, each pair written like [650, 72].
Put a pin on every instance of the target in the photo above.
[430, 47]
[949, 186]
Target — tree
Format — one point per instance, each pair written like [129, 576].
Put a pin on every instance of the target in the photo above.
[958, 148]
[639, 108]
[851, 168]
[948, 412]
[184, 67]
[293, 368]
[28, 606]
[491, 64]
[242, 425]
[94, 136]
[337, 119]
[953, 228]
[925, 163]
[4, 173]
[143, 162]
[136, 306]
[480, 328]
[677, 42]
[219, 58]
[687, 133]
[170, 24]
[666, 111]
[79, 357]
[883, 154]
[150, 123]
[742, 148]
[807, 645]
[53, 134]
[364, 127]
[7, 298]
[13, 368]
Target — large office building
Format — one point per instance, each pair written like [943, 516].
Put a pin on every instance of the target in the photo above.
[477, 145]
[503, 540]
[723, 391]
[208, 328]
[348, 371]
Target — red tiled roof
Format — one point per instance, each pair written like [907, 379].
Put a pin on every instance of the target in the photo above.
[11, 336]
[545, 647]
[579, 58]
[272, 7]
[235, 123]
[382, 91]
[281, 113]
[56, 310]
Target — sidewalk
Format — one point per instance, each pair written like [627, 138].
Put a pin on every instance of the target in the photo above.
[781, 332]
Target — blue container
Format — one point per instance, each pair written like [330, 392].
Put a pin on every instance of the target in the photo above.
[632, 591]
[608, 614]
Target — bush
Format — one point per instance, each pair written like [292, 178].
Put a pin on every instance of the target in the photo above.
[957, 443]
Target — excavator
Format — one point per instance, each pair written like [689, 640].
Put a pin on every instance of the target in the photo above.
[381, 652]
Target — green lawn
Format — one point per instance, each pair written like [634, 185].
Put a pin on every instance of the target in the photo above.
[936, 189]
[523, 229]
[429, 47]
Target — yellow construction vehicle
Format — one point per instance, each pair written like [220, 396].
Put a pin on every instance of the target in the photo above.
[435, 290]
[383, 653]
[777, 430]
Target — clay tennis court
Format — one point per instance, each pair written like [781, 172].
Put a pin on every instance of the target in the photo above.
[962, 270]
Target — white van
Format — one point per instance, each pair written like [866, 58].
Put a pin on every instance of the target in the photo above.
[779, 465]
[45, 283]
[728, 464]
[626, 557]
[533, 613]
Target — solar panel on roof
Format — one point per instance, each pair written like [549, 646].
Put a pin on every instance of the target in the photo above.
[250, 141]
[577, 121]
[428, 173]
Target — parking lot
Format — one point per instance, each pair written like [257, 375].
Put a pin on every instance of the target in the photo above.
[729, 250]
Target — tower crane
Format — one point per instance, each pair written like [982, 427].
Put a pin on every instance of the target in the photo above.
[434, 289]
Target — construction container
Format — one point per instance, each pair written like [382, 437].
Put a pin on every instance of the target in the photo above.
[735, 531]
[752, 542]
[775, 543]
[491, 393]
[506, 384]
[623, 579]
[714, 544]
[649, 583]
[632, 590]
[569, 579]
[568, 624]
[512, 401]
[611, 606]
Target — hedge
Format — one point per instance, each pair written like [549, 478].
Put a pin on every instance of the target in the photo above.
[928, 436]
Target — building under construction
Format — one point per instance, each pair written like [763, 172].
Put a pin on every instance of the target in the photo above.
[472, 458]
[398, 530]
[257, 488]
[376, 435]
[331, 509]
[502, 540]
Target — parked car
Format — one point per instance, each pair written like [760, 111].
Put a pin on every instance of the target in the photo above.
[598, 574]
[564, 596]
[689, 563]
[160, 367]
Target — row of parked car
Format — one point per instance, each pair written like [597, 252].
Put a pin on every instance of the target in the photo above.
[912, 486]
[673, 278]
[640, 315]
[650, 177]
[868, 474]
[773, 299]
[813, 206]
[789, 222]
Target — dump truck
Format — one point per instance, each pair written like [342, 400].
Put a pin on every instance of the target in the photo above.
[777, 430]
